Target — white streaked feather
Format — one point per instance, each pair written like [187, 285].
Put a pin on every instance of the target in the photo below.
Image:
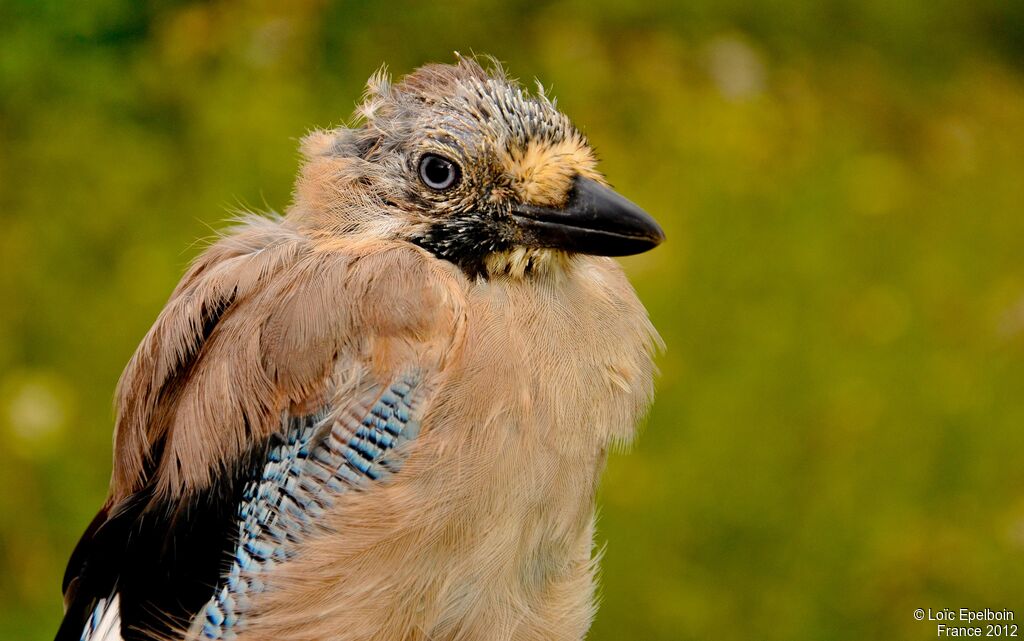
[105, 622]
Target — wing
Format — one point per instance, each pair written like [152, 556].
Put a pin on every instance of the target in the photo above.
[155, 566]
[320, 457]
[274, 381]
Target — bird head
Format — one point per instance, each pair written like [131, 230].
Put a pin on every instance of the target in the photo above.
[466, 164]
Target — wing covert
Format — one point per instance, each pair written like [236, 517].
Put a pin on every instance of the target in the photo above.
[320, 457]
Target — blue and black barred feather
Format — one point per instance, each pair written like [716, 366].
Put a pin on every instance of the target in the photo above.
[320, 459]
[166, 562]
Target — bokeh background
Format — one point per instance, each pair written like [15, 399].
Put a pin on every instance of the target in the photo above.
[839, 430]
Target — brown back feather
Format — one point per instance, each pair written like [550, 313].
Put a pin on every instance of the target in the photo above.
[259, 325]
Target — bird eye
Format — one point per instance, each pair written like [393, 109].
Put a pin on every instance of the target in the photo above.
[437, 172]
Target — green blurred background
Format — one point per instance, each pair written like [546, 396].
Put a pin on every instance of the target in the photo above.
[838, 435]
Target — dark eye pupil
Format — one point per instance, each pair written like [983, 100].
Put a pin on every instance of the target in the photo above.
[437, 172]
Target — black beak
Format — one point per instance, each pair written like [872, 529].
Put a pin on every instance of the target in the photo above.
[595, 220]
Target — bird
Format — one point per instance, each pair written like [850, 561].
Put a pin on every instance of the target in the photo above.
[384, 414]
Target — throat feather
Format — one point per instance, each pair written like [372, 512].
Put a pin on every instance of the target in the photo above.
[522, 262]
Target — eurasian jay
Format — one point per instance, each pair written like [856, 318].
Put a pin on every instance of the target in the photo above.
[384, 415]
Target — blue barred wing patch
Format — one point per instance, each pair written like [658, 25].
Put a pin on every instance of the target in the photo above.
[319, 457]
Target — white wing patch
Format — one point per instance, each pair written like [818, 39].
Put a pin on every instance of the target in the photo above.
[104, 623]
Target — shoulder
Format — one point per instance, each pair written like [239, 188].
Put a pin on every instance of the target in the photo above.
[257, 326]
[381, 287]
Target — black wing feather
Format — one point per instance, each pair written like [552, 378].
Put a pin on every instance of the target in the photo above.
[162, 559]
